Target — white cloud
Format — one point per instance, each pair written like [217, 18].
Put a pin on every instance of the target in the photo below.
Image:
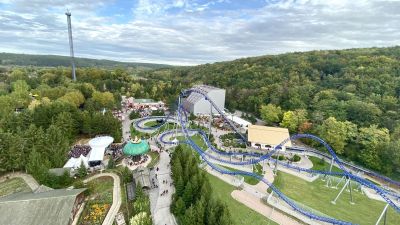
[189, 32]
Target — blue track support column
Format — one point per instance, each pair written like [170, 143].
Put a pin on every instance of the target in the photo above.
[328, 177]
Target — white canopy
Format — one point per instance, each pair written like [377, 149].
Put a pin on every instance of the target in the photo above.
[99, 145]
[243, 123]
[75, 163]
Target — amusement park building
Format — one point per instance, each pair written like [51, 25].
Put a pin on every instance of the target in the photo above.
[197, 104]
[267, 137]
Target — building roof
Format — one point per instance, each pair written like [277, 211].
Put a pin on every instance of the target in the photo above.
[195, 97]
[143, 100]
[243, 123]
[99, 145]
[142, 176]
[268, 135]
[138, 148]
[53, 207]
[75, 163]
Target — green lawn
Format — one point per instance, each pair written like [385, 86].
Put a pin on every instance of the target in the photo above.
[13, 185]
[151, 123]
[319, 197]
[241, 214]
[318, 164]
[155, 157]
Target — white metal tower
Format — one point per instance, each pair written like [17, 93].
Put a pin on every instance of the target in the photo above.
[71, 44]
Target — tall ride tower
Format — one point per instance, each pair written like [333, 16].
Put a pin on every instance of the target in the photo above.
[71, 44]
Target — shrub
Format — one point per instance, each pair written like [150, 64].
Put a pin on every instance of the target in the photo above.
[296, 158]
[134, 115]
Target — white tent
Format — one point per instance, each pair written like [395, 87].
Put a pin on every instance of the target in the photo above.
[99, 145]
[75, 163]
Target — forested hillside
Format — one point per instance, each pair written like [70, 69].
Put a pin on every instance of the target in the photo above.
[348, 97]
[56, 60]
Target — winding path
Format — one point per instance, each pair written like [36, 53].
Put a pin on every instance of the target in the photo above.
[29, 180]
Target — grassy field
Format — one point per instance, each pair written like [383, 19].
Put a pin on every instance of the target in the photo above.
[318, 164]
[319, 197]
[240, 213]
[13, 185]
[151, 124]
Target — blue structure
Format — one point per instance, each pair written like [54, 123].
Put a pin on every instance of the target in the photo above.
[182, 118]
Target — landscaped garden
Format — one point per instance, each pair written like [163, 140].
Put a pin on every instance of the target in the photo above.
[13, 185]
[317, 196]
[99, 201]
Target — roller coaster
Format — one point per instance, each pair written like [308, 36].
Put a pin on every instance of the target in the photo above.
[182, 120]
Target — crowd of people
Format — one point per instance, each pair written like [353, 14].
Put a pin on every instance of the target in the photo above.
[78, 150]
[115, 150]
[143, 159]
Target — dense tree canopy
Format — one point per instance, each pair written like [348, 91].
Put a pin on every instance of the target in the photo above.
[307, 91]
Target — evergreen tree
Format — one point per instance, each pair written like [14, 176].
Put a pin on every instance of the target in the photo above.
[38, 166]
[188, 194]
[180, 207]
[179, 187]
[82, 171]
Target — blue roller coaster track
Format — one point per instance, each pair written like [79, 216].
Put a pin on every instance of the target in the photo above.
[256, 158]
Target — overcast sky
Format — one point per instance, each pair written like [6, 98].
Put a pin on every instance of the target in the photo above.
[190, 32]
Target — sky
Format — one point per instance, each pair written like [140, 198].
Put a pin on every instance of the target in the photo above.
[191, 32]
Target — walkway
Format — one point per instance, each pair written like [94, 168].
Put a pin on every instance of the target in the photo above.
[126, 126]
[250, 194]
[265, 210]
[116, 196]
[29, 180]
[161, 204]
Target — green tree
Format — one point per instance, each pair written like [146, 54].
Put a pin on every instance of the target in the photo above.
[103, 99]
[57, 146]
[74, 97]
[180, 207]
[370, 139]
[293, 119]
[271, 114]
[188, 194]
[337, 133]
[82, 171]
[38, 166]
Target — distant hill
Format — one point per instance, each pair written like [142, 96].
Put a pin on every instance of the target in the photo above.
[56, 60]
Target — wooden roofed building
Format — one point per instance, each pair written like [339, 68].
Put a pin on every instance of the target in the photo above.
[264, 137]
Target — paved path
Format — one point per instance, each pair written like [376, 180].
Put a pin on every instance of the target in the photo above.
[29, 180]
[265, 210]
[251, 195]
[116, 196]
[161, 204]
[126, 126]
